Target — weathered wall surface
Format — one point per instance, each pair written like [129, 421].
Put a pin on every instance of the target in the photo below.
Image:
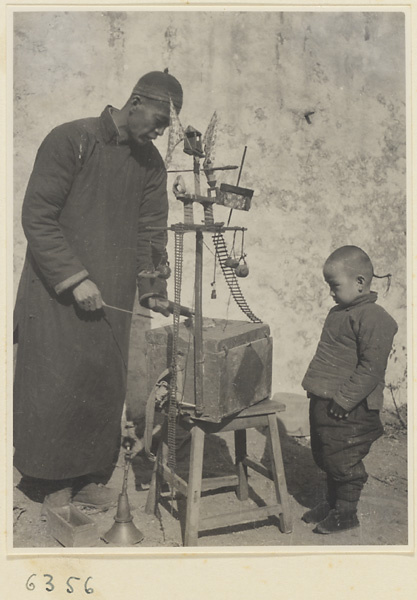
[337, 180]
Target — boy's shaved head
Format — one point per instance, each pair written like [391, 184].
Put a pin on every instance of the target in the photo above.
[353, 260]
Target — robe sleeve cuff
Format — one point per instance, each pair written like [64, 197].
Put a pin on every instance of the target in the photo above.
[71, 281]
[151, 288]
[347, 405]
[143, 300]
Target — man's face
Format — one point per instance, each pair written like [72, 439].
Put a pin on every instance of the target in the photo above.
[344, 286]
[147, 120]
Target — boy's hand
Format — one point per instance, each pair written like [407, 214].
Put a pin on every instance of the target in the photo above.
[337, 411]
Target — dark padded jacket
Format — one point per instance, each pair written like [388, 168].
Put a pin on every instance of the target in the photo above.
[352, 354]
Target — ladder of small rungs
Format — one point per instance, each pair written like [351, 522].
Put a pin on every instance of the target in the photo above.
[231, 280]
[188, 213]
[208, 215]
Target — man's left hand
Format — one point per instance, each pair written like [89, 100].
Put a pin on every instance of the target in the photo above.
[337, 411]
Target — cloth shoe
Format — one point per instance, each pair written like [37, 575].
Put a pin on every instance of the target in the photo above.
[346, 506]
[96, 495]
[317, 514]
[337, 521]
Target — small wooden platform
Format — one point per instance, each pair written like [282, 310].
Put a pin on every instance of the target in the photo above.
[263, 414]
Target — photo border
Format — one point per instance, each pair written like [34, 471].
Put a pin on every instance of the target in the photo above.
[245, 560]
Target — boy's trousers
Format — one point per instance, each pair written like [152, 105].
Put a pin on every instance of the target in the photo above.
[339, 446]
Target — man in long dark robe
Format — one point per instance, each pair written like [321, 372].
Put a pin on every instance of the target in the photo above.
[96, 186]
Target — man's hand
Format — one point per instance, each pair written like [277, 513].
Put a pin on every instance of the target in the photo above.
[160, 305]
[337, 411]
[87, 295]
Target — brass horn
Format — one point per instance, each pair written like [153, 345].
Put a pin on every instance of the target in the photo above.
[124, 532]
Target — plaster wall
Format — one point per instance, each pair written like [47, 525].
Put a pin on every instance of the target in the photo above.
[337, 180]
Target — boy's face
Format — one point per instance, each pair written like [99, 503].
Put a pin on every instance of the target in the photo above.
[344, 287]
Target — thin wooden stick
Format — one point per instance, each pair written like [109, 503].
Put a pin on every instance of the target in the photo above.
[238, 179]
[241, 165]
[127, 311]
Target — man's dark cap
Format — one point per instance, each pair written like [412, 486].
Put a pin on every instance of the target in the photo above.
[160, 85]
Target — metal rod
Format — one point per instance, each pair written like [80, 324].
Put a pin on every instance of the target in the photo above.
[238, 179]
[127, 311]
[198, 325]
[126, 472]
[216, 227]
[241, 165]
[225, 168]
[186, 404]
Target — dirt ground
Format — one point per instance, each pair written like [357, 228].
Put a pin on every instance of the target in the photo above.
[382, 509]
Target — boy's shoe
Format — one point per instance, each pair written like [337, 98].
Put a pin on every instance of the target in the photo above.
[336, 521]
[317, 514]
[96, 495]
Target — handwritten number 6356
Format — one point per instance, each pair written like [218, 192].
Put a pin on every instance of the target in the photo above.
[49, 586]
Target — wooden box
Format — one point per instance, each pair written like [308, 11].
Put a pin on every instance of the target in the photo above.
[71, 527]
[237, 369]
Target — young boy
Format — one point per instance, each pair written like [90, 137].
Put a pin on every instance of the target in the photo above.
[345, 382]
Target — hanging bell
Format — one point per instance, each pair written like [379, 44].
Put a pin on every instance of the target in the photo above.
[124, 532]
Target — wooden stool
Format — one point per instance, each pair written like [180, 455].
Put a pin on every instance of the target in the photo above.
[259, 415]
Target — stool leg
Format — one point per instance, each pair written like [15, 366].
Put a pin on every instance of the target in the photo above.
[242, 471]
[279, 474]
[194, 487]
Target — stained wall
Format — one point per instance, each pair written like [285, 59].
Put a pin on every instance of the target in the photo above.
[332, 178]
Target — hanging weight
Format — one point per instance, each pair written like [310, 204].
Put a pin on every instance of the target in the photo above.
[242, 270]
[231, 262]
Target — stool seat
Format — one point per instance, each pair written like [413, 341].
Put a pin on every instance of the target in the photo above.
[265, 407]
[262, 414]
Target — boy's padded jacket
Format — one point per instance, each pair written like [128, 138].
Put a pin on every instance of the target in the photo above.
[352, 354]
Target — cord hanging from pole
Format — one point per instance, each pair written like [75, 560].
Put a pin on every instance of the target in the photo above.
[213, 283]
